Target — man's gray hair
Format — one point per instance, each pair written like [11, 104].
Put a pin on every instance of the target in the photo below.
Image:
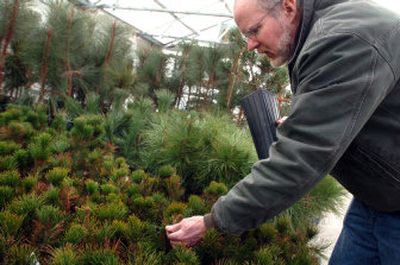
[271, 5]
[268, 5]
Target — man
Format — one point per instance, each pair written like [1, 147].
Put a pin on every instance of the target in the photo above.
[344, 64]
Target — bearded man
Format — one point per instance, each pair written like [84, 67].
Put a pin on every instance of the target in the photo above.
[343, 58]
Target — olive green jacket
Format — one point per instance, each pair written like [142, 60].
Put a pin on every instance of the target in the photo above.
[344, 120]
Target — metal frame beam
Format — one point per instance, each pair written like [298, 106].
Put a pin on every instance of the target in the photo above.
[168, 11]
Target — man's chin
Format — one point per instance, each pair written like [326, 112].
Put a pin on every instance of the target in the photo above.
[278, 62]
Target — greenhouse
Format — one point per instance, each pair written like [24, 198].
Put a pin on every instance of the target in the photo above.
[118, 118]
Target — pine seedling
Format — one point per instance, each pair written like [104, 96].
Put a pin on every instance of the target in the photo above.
[23, 159]
[165, 99]
[184, 256]
[111, 211]
[64, 256]
[145, 255]
[91, 186]
[26, 205]
[19, 131]
[98, 257]
[268, 255]
[196, 206]
[52, 196]
[174, 212]
[10, 223]
[75, 234]
[8, 162]
[21, 254]
[283, 224]
[108, 188]
[9, 147]
[138, 175]
[142, 206]
[211, 247]
[266, 232]
[120, 229]
[174, 188]
[49, 215]
[149, 185]
[166, 171]
[60, 145]
[6, 195]
[9, 178]
[135, 228]
[40, 147]
[56, 175]
[214, 191]
[59, 122]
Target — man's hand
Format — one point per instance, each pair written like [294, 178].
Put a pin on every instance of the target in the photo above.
[187, 232]
[281, 120]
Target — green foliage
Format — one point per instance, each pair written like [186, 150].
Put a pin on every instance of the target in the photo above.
[87, 131]
[81, 203]
[9, 178]
[40, 148]
[98, 257]
[109, 188]
[164, 99]
[8, 162]
[60, 145]
[196, 206]
[91, 186]
[22, 158]
[49, 215]
[57, 175]
[138, 175]
[29, 182]
[75, 234]
[192, 143]
[10, 223]
[181, 255]
[26, 204]
[52, 195]
[327, 196]
[64, 256]
[166, 171]
[111, 211]
[216, 189]
[7, 148]
[21, 254]
[6, 194]
[173, 186]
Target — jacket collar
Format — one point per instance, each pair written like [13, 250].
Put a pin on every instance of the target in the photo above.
[308, 9]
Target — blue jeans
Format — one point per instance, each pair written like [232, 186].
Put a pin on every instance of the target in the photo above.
[368, 237]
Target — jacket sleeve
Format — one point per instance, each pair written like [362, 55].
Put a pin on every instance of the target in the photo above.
[342, 80]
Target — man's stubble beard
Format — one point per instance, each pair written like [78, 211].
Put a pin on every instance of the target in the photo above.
[285, 48]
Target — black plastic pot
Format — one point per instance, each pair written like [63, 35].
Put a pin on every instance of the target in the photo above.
[261, 110]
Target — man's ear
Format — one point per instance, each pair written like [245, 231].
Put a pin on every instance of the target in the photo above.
[290, 8]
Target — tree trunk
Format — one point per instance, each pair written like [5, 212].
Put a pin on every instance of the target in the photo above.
[232, 79]
[6, 42]
[68, 66]
[45, 65]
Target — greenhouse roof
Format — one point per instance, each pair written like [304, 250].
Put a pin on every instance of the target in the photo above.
[170, 21]
[167, 22]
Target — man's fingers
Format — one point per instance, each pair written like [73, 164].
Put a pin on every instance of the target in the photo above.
[176, 236]
[173, 228]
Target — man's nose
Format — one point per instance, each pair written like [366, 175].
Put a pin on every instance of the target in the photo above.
[252, 44]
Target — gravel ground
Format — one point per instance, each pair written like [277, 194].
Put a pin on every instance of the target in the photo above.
[330, 227]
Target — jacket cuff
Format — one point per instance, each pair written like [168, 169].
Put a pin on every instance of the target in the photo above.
[209, 221]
